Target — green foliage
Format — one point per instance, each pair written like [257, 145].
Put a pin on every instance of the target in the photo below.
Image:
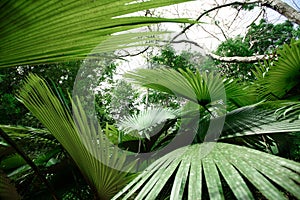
[57, 31]
[234, 47]
[261, 39]
[265, 37]
[169, 58]
[281, 81]
[200, 167]
[35, 32]
[13, 112]
[216, 170]
[76, 135]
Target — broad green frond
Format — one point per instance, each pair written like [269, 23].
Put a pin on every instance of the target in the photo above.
[142, 123]
[29, 134]
[238, 95]
[39, 31]
[284, 75]
[82, 140]
[290, 110]
[197, 87]
[194, 167]
[260, 118]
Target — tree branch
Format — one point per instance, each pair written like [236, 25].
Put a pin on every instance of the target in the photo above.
[212, 9]
[283, 8]
[233, 59]
[239, 59]
[29, 162]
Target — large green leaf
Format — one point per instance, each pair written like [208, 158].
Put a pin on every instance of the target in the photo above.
[194, 167]
[98, 162]
[199, 87]
[39, 31]
[283, 77]
[141, 124]
[260, 118]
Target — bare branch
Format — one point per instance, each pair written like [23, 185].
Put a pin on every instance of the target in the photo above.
[212, 9]
[262, 11]
[222, 31]
[213, 35]
[296, 6]
[128, 54]
[233, 59]
[239, 59]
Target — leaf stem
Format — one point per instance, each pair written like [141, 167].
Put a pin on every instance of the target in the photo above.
[5, 136]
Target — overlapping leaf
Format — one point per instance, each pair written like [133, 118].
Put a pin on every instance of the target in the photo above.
[284, 76]
[192, 168]
[143, 122]
[259, 118]
[39, 31]
[199, 87]
[83, 141]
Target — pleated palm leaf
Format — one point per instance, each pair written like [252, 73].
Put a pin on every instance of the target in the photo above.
[261, 118]
[215, 165]
[100, 164]
[283, 77]
[200, 87]
[39, 31]
[141, 124]
[205, 170]
[191, 171]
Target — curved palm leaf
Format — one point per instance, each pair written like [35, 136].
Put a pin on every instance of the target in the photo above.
[291, 110]
[192, 168]
[41, 138]
[143, 122]
[259, 118]
[53, 31]
[199, 87]
[283, 76]
[77, 138]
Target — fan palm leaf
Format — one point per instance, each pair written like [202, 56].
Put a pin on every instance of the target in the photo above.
[199, 87]
[261, 118]
[41, 31]
[143, 122]
[193, 167]
[99, 163]
[283, 76]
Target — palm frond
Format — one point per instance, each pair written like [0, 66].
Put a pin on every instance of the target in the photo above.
[259, 118]
[41, 31]
[283, 76]
[192, 168]
[291, 110]
[198, 87]
[142, 123]
[29, 135]
[238, 95]
[86, 144]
